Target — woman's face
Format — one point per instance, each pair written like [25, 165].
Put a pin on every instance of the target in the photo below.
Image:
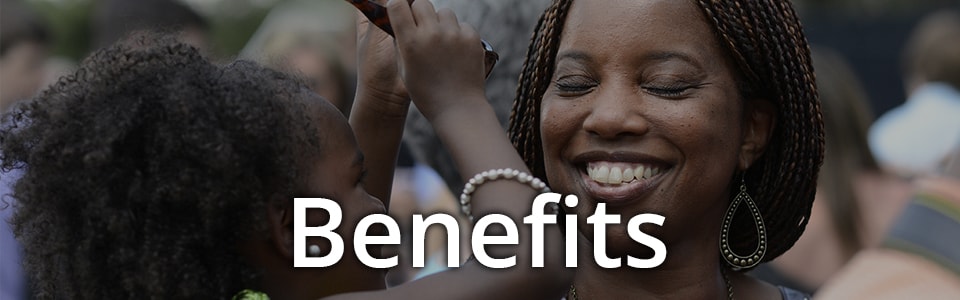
[643, 113]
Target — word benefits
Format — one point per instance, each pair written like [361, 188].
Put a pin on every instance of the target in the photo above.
[537, 220]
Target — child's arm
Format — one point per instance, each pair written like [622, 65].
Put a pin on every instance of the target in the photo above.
[379, 109]
[442, 67]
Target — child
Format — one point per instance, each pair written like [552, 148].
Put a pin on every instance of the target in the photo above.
[153, 174]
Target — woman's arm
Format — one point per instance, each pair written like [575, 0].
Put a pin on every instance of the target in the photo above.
[442, 67]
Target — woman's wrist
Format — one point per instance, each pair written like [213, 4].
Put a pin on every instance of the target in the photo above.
[457, 106]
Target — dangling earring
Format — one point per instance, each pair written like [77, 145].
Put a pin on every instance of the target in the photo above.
[737, 261]
[313, 251]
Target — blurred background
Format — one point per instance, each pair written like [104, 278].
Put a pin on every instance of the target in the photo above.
[871, 35]
[868, 33]
[231, 22]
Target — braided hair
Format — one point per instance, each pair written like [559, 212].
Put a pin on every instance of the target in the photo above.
[765, 41]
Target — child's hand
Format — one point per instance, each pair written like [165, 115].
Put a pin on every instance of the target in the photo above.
[441, 59]
[377, 66]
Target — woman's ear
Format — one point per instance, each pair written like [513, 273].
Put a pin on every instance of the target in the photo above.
[759, 121]
[280, 226]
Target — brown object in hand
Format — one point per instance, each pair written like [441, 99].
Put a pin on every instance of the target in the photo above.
[378, 15]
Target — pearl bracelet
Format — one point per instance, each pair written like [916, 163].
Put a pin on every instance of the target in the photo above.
[497, 174]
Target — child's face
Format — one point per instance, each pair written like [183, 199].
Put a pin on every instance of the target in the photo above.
[337, 175]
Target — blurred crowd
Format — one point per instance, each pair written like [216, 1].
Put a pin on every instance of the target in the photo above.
[875, 161]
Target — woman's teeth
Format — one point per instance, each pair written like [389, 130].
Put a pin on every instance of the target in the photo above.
[619, 173]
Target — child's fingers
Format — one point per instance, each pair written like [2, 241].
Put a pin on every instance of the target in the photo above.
[401, 17]
[424, 13]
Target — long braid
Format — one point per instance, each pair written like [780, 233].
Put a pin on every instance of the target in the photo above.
[535, 77]
[771, 52]
[766, 42]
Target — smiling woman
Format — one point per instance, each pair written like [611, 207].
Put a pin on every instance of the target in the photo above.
[686, 109]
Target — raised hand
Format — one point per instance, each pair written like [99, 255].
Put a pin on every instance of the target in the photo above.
[441, 63]
[378, 74]
[380, 108]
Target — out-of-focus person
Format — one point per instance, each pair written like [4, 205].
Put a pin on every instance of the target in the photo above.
[920, 257]
[916, 137]
[418, 189]
[114, 20]
[856, 200]
[315, 40]
[24, 47]
[507, 26]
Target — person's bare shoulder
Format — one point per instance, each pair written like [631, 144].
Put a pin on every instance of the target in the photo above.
[890, 274]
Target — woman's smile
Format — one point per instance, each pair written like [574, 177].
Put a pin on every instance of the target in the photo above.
[618, 178]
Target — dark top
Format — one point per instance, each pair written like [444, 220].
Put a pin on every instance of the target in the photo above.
[791, 294]
[785, 292]
[769, 274]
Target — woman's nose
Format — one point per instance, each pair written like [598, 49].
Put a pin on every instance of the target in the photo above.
[616, 113]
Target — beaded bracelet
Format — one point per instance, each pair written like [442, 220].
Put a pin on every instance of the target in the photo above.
[497, 174]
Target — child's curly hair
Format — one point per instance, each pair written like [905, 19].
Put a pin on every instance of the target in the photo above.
[146, 169]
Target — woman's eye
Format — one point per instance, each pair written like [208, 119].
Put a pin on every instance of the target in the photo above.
[669, 90]
[574, 84]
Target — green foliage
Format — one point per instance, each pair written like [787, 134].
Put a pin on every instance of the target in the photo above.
[229, 33]
[69, 23]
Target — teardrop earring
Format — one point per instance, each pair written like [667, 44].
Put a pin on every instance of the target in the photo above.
[735, 260]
